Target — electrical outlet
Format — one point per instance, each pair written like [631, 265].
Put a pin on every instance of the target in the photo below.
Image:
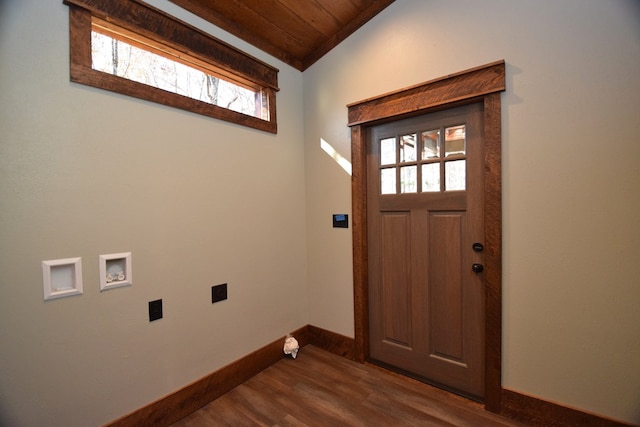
[155, 310]
[218, 293]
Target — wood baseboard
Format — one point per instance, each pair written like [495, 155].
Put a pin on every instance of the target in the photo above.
[332, 342]
[165, 411]
[194, 396]
[537, 412]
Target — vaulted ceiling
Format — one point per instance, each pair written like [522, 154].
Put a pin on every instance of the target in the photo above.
[298, 32]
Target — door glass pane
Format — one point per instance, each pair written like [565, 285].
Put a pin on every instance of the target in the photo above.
[388, 181]
[454, 143]
[455, 175]
[408, 149]
[431, 177]
[388, 151]
[430, 144]
[408, 179]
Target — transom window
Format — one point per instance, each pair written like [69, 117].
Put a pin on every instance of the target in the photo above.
[129, 47]
[424, 161]
[141, 60]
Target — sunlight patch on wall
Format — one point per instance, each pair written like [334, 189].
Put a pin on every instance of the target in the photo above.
[344, 163]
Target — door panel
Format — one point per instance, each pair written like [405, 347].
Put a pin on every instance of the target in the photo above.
[396, 231]
[445, 296]
[424, 212]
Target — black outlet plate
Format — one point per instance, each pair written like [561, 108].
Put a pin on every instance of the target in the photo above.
[218, 293]
[155, 310]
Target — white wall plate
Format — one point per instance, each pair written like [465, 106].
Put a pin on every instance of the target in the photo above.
[115, 271]
[62, 277]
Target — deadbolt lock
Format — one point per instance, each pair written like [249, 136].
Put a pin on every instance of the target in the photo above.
[477, 247]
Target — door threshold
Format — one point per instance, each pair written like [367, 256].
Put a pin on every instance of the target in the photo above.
[454, 393]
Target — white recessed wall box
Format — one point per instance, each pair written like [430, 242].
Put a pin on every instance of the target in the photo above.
[115, 271]
[62, 277]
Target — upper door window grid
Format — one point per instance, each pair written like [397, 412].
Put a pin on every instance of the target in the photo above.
[424, 161]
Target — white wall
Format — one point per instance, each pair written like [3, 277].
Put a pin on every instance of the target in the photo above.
[197, 201]
[571, 188]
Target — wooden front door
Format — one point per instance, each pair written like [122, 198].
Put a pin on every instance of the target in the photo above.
[425, 247]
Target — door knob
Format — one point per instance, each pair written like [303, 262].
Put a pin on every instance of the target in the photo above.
[477, 268]
[477, 247]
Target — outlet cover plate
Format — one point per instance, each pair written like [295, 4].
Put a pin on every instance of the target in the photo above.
[218, 293]
[155, 310]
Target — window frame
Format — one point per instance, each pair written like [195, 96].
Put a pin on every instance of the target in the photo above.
[156, 25]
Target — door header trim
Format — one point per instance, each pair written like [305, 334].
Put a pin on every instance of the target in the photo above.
[458, 87]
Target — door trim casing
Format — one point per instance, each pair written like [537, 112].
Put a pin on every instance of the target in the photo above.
[477, 85]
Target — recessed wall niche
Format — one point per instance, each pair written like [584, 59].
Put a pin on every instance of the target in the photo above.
[115, 271]
[62, 277]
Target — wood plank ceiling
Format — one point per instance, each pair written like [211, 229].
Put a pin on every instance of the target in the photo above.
[298, 32]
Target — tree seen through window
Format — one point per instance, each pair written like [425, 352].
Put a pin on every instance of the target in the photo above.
[119, 58]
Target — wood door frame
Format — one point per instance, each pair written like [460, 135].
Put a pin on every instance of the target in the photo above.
[482, 85]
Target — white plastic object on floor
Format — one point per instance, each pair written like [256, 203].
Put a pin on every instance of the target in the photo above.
[291, 346]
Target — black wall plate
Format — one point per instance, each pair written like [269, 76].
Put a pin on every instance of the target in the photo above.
[218, 293]
[155, 310]
[340, 221]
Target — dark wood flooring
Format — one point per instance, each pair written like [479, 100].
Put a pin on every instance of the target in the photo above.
[319, 388]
